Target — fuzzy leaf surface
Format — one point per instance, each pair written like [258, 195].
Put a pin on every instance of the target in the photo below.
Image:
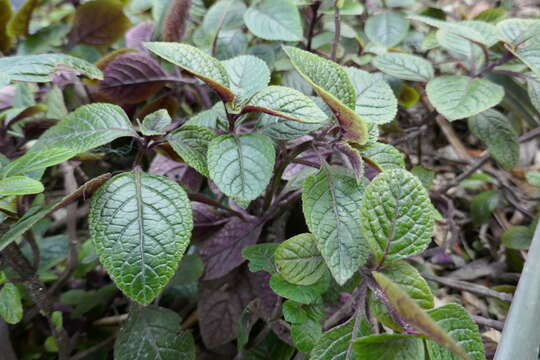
[331, 201]
[140, 225]
[389, 347]
[11, 309]
[191, 143]
[404, 66]
[457, 97]
[241, 166]
[396, 215]
[387, 28]
[274, 20]
[248, 74]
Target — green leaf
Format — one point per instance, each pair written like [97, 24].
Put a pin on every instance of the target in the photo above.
[37, 160]
[155, 123]
[517, 31]
[533, 178]
[86, 128]
[297, 313]
[197, 63]
[388, 28]
[224, 15]
[410, 281]
[261, 257]
[191, 143]
[298, 293]
[494, 129]
[335, 344]
[388, 347]
[286, 103]
[396, 215]
[154, 333]
[383, 156]
[306, 335]
[454, 319]
[404, 66]
[457, 97]
[6, 40]
[19, 24]
[20, 185]
[248, 74]
[11, 309]
[517, 237]
[241, 166]
[332, 84]
[299, 261]
[375, 100]
[331, 201]
[41, 68]
[533, 86]
[529, 54]
[482, 205]
[274, 20]
[425, 175]
[283, 129]
[415, 316]
[140, 225]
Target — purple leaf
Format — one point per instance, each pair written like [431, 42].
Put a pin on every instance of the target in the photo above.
[220, 305]
[206, 221]
[354, 159]
[132, 77]
[260, 282]
[138, 34]
[222, 252]
[177, 171]
[293, 168]
[174, 26]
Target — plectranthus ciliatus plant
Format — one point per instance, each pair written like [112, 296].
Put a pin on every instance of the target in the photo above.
[213, 179]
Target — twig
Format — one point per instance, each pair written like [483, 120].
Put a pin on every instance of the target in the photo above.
[83, 354]
[314, 19]
[209, 201]
[346, 309]
[337, 31]
[472, 288]
[111, 320]
[495, 324]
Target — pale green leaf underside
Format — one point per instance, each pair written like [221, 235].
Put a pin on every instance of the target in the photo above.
[283, 129]
[299, 261]
[404, 66]
[154, 333]
[457, 323]
[396, 215]
[383, 156]
[36, 160]
[274, 20]
[457, 97]
[287, 103]
[41, 68]
[191, 143]
[495, 129]
[529, 54]
[248, 74]
[375, 100]
[11, 309]
[388, 28]
[331, 201]
[86, 128]
[533, 86]
[196, 62]
[156, 123]
[20, 185]
[241, 166]
[140, 225]
[516, 31]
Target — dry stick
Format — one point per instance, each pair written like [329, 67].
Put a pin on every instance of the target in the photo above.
[482, 160]
[337, 31]
[495, 324]
[472, 288]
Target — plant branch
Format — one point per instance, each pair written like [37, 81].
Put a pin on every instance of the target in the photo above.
[472, 288]
[337, 31]
[209, 201]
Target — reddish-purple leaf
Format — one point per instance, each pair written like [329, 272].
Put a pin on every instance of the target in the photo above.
[131, 78]
[139, 34]
[220, 305]
[260, 282]
[174, 26]
[206, 221]
[177, 171]
[99, 23]
[223, 251]
[354, 159]
[293, 168]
